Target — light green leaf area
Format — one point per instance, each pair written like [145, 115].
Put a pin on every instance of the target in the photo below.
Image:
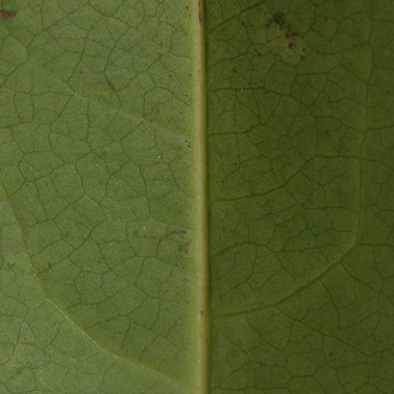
[97, 268]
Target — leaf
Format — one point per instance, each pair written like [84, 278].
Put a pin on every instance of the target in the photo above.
[103, 224]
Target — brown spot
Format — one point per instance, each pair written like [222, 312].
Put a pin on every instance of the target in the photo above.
[276, 18]
[184, 247]
[202, 313]
[111, 86]
[7, 14]
[176, 232]
[199, 11]
[173, 232]
[291, 44]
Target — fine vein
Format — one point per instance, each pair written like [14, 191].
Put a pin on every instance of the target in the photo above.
[201, 198]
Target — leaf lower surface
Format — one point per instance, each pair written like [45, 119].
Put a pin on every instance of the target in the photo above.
[98, 277]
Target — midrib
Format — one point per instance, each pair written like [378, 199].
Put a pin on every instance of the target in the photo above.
[201, 239]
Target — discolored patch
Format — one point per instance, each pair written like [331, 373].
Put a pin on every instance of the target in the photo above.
[7, 14]
[282, 41]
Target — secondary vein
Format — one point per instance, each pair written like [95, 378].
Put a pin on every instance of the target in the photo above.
[201, 240]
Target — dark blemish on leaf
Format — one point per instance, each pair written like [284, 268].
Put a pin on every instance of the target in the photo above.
[276, 18]
[184, 248]
[202, 313]
[291, 44]
[199, 11]
[243, 23]
[111, 86]
[173, 232]
[330, 354]
[176, 232]
[7, 14]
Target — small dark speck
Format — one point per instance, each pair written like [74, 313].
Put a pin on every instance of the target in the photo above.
[233, 70]
[111, 86]
[291, 44]
[302, 57]
[243, 23]
[330, 354]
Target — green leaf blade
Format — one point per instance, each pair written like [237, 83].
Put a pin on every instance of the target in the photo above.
[160, 233]
[296, 292]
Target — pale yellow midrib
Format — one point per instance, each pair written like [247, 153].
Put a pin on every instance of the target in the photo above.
[201, 240]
